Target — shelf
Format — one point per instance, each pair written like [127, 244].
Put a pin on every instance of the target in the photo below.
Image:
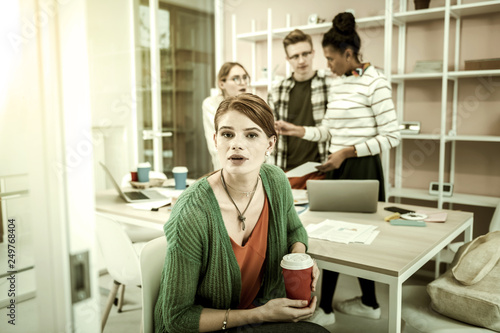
[421, 136]
[311, 29]
[465, 74]
[396, 78]
[259, 84]
[321, 28]
[416, 76]
[419, 15]
[253, 36]
[477, 138]
[485, 7]
[411, 194]
[456, 198]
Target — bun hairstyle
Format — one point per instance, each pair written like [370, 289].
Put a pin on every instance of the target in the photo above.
[343, 35]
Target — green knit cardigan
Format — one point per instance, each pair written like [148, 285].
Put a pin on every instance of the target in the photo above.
[200, 267]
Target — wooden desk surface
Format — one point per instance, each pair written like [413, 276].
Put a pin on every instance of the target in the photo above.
[394, 250]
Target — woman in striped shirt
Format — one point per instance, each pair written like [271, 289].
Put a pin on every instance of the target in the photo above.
[360, 122]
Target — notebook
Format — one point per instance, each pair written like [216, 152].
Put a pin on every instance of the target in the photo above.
[133, 196]
[343, 195]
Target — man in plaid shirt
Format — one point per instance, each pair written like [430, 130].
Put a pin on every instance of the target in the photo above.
[300, 99]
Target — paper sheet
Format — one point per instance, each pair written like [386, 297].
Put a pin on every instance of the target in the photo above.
[302, 170]
[342, 232]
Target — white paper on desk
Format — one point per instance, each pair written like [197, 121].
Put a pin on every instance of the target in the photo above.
[303, 169]
[150, 205]
[340, 231]
[433, 216]
[367, 238]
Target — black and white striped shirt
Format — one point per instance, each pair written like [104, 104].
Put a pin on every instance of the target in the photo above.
[360, 113]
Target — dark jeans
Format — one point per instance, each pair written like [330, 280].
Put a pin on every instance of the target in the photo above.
[367, 167]
[301, 326]
[330, 283]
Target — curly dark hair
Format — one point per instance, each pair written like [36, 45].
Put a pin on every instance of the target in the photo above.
[343, 35]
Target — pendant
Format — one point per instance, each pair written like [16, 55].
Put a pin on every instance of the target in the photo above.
[242, 219]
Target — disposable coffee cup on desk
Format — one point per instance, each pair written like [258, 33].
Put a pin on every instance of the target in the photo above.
[297, 273]
[133, 176]
[143, 172]
[180, 176]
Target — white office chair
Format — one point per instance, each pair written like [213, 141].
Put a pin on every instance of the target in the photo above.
[152, 260]
[448, 253]
[420, 318]
[121, 258]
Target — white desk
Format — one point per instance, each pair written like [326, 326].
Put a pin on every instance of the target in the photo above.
[108, 202]
[395, 254]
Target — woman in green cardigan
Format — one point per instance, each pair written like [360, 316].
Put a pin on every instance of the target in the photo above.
[228, 233]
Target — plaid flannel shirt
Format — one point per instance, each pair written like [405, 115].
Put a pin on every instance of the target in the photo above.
[278, 99]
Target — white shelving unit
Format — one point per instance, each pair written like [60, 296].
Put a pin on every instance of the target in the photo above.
[448, 14]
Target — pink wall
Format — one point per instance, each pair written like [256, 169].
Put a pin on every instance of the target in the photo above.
[477, 163]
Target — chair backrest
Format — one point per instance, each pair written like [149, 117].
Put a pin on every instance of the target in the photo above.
[152, 174]
[122, 261]
[152, 260]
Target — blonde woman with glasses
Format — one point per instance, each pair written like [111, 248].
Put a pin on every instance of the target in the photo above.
[232, 80]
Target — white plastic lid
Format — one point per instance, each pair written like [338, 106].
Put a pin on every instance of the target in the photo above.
[179, 169]
[295, 261]
[144, 165]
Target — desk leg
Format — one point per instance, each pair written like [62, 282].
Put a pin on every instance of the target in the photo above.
[468, 232]
[395, 299]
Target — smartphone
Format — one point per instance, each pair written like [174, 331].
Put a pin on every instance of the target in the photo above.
[399, 210]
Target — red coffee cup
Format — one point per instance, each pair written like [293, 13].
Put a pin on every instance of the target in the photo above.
[133, 176]
[297, 272]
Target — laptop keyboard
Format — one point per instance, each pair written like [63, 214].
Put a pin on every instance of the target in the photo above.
[136, 195]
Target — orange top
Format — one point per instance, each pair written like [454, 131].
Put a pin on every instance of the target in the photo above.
[251, 257]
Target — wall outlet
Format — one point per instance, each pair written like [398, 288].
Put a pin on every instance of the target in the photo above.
[447, 189]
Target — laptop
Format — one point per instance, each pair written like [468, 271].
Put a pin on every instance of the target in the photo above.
[343, 195]
[133, 196]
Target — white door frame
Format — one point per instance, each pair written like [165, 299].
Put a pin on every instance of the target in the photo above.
[60, 163]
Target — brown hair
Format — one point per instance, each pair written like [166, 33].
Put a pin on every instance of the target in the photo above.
[251, 106]
[225, 69]
[295, 37]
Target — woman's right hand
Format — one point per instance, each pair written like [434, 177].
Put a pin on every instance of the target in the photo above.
[287, 310]
[289, 129]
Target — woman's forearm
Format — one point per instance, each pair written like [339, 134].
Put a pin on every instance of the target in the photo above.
[298, 247]
[213, 319]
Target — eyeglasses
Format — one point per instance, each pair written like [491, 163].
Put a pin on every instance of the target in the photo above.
[240, 79]
[303, 55]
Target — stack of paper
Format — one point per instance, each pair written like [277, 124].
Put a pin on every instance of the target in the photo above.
[343, 232]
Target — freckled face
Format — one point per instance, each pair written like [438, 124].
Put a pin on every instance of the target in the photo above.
[337, 62]
[241, 143]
